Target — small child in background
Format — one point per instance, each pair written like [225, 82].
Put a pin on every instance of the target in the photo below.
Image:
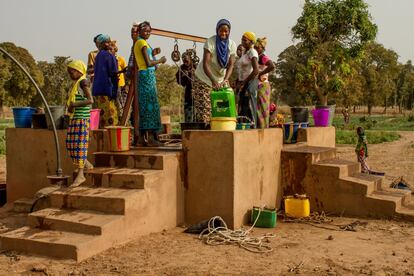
[79, 110]
[361, 150]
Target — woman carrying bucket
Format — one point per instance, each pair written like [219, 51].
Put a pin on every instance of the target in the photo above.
[79, 108]
[215, 69]
[149, 108]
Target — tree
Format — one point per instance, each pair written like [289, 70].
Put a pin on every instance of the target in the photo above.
[287, 80]
[335, 33]
[169, 92]
[404, 86]
[379, 67]
[56, 81]
[16, 87]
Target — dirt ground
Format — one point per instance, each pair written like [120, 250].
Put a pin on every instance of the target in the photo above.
[394, 158]
[378, 248]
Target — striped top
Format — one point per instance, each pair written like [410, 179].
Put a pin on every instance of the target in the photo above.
[81, 112]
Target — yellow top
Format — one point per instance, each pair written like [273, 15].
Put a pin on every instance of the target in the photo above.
[121, 66]
[139, 44]
[91, 58]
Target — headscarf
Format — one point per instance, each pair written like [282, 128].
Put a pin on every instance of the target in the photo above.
[103, 38]
[79, 66]
[96, 37]
[222, 46]
[250, 36]
[262, 42]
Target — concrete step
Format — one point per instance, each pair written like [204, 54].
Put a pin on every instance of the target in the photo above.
[406, 194]
[51, 243]
[405, 213]
[23, 205]
[373, 181]
[107, 200]
[77, 221]
[123, 178]
[133, 159]
[384, 204]
[339, 167]
[316, 154]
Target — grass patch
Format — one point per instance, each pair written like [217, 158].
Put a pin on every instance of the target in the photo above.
[373, 137]
[376, 122]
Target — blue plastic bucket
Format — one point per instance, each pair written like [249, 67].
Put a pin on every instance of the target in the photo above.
[290, 131]
[23, 116]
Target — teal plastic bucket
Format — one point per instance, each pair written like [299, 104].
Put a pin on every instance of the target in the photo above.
[290, 131]
[23, 116]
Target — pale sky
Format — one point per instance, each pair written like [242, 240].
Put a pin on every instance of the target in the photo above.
[49, 28]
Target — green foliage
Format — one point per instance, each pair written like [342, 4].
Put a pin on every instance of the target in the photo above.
[4, 123]
[290, 75]
[56, 81]
[16, 88]
[379, 67]
[373, 137]
[334, 34]
[170, 94]
[380, 123]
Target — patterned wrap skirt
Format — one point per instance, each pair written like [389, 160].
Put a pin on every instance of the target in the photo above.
[149, 107]
[202, 101]
[77, 141]
[263, 104]
[109, 112]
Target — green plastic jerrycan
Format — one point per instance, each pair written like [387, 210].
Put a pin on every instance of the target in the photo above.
[223, 103]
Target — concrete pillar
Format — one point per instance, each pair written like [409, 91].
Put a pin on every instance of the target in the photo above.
[229, 172]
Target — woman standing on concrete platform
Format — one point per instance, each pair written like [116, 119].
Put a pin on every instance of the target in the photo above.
[249, 68]
[105, 83]
[215, 69]
[149, 107]
[266, 66]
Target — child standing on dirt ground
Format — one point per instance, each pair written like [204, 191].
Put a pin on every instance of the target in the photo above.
[79, 110]
[362, 150]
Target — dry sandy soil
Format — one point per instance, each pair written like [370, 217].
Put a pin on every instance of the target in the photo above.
[377, 248]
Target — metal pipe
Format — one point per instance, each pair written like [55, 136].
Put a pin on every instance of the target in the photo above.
[58, 167]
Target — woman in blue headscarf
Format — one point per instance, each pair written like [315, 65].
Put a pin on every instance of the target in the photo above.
[215, 69]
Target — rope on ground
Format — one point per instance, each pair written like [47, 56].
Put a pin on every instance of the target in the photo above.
[320, 220]
[222, 235]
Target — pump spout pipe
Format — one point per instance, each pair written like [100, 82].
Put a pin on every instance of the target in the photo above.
[59, 171]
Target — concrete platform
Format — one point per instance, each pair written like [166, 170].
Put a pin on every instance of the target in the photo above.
[229, 172]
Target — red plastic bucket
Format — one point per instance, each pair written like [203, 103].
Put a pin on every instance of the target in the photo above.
[94, 123]
[321, 117]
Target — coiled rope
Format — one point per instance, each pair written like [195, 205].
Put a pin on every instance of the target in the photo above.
[223, 235]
